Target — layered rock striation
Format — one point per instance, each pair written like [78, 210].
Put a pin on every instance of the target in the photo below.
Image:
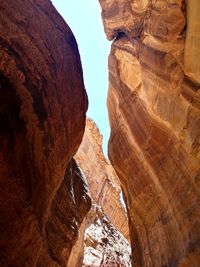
[154, 113]
[103, 182]
[69, 207]
[104, 232]
[42, 118]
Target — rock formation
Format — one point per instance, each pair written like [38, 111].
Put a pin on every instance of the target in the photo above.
[104, 245]
[69, 206]
[154, 113]
[106, 223]
[42, 118]
[102, 179]
[100, 244]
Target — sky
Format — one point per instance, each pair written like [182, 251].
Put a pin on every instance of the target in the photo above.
[84, 19]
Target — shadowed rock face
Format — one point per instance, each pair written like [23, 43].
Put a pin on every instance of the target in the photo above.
[42, 118]
[154, 112]
[70, 205]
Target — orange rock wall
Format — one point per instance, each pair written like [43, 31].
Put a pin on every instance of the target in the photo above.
[42, 118]
[99, 243]
[154, 113]
[68, 209]
[102, 179]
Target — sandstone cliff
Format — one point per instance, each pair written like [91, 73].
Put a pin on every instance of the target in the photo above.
[101, 241]
[102, 179]
[104, 245]
[42, 118]
[100, 244]
[154, 113]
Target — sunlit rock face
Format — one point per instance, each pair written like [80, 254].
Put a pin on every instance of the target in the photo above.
[104, 232]
[104, 246]
[100, 244]
[154, 113]
[102, 179]
[42, 118]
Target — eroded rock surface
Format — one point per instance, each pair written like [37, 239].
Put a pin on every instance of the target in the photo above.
[103, 182]
[102, 235]
[42, 118]
[154, 112]
[69, 207]
[102, 244]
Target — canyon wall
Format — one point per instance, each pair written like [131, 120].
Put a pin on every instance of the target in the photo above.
[99, 244]
[104, 245]
[103, 182]
[104, 233]
[42, 118]
[154, 113]
[69, 207]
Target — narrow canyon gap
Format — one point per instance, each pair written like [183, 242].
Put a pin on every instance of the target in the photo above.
[95, 243]
[59, 196]
[84, 18]
[44, 195]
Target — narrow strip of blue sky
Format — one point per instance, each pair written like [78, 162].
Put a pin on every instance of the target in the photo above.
[84, 19]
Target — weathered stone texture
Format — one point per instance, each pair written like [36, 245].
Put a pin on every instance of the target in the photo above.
[103, 182]
[192, 47]
[103, 245]
[42, 118]
[101, 241]
[69, 207]
[154, 113]
[77, 252]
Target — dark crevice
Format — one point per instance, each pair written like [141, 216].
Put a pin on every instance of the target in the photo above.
[10, 122]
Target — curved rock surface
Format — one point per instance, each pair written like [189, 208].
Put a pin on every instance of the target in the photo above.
[42, 118]
[103, 182]
[154, 112]
[69, 207]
